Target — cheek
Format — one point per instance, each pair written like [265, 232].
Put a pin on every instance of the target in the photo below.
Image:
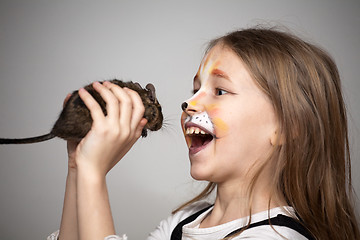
[220, 125]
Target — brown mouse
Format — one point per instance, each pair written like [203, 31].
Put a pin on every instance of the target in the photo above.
[75, 120]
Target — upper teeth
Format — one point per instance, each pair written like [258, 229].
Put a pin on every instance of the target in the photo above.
[194, 130]
[202, 120]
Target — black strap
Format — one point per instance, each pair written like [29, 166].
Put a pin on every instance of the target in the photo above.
[177, 232]
[279, 220]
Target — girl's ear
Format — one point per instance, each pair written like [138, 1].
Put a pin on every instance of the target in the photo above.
[277, 139]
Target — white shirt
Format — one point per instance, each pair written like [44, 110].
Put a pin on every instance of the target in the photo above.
[191, 231]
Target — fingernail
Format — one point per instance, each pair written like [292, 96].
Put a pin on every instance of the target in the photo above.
[96, 83]
[106, 83]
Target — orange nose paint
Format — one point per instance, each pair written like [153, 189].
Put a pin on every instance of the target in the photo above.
[194, 101]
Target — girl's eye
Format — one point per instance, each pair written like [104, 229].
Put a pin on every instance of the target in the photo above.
[219, 92]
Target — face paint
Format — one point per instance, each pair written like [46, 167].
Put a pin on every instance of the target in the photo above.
[196, 98]
[207, 119]
[202, 120]
[212, 109]
[220, 124]
[184, 117]
[241, 116]
[198, 131]
[213, 125]
[207, 67]
[221, 127]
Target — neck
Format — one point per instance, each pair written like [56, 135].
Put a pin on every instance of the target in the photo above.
[233, 201]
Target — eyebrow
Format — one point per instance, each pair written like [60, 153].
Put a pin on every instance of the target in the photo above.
[215, 72]
[218, 72]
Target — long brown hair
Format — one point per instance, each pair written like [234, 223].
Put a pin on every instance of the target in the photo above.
[312, 159]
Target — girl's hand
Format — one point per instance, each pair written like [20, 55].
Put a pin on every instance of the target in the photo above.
[111, 136]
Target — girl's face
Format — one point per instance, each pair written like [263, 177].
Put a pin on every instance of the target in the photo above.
[229, 121]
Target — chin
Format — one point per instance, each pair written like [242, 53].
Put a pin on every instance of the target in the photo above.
[198, 178]
[199, 174]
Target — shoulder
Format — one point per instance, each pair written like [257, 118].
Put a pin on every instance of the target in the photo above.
[166, 226]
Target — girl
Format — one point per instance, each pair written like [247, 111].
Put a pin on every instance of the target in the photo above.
[266, 127]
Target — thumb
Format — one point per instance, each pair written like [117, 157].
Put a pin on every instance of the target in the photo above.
[140, 127]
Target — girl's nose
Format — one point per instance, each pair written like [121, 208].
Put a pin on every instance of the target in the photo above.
[184, 106]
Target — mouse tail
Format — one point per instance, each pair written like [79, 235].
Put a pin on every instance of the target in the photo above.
[27, 140]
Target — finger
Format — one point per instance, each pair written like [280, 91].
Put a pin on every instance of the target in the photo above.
[138, 108]
[112, 104]
[93, 106]
[140, 127]
[125, 104]
[132, 141]
[138, 131]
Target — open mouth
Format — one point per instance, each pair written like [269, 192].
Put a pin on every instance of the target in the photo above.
[197, 137]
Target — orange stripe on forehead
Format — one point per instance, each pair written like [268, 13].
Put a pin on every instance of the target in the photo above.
[205, 63]
[206, 67]
[205, 70]
[213, 66]
[208, 60]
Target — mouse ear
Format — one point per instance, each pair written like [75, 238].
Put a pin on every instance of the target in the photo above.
[137, 85]
[151, 89]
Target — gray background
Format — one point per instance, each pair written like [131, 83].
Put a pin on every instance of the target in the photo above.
[49, 48]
